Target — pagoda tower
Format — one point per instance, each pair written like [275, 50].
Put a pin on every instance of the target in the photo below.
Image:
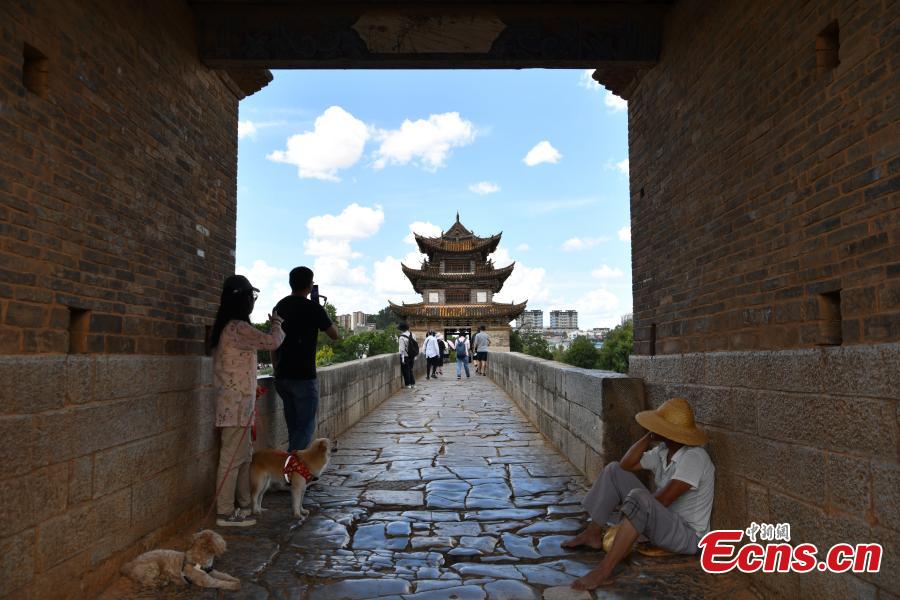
[458, 283]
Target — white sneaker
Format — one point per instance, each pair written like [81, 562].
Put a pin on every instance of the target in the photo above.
[234, 520]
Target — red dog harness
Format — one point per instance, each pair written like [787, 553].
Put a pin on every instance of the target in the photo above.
[292, 464]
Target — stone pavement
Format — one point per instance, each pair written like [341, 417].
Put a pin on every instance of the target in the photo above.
[445, 491]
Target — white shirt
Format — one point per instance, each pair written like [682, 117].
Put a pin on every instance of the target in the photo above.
[431, 347]
[692, 465]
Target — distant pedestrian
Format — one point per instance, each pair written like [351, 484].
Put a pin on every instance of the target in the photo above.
[409, 348]
[462, 356]
[442, 345]
[432, 354]
[295, 360]
[235, 343]
[480, 346]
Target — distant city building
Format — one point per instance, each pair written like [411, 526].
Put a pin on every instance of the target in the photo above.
[564, 319]
[530, 319]
[355, 321]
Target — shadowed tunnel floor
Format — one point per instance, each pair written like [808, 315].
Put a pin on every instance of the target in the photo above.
[445, 491]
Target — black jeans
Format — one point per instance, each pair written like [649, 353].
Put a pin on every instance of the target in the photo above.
[432, 367]
[406, 369]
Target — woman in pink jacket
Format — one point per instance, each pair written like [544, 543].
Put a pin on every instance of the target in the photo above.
[235, 342]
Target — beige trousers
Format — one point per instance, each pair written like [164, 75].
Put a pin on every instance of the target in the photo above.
[236, 484]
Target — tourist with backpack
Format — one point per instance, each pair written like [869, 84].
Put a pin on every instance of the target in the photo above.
[443, 355]
[409, 349]
[462, 356]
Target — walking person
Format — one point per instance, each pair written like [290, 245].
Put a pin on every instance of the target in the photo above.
[295, 360]
[409, 348]
[462, 356]
[442, 346]
[432, 354]
[481, 342]
[235, 343]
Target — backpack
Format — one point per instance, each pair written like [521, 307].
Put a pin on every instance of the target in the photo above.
[461, 348]
[412, 347]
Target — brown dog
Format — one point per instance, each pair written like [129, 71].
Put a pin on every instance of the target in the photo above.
[302, 467]
[159, 567]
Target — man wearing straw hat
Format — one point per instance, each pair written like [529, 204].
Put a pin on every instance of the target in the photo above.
[676, 516]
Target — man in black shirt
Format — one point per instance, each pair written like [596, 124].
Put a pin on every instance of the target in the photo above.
[295, 359]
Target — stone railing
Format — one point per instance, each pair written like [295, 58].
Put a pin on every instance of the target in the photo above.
[587, 414]
[347, 392]
[107, 456]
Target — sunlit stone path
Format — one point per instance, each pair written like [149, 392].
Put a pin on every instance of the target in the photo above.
[445, 491]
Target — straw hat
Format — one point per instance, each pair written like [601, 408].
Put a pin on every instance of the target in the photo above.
[673, 420]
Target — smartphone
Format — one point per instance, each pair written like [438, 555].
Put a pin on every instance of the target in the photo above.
[314, 295]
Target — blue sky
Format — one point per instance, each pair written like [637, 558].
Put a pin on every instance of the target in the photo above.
[336, 168]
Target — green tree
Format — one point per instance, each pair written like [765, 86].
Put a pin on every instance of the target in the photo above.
[262, 356]
[385, 319]
[324, 356]
[364, 344]
[617, 348]
[581, 353]
[515, 342]
[534, 344]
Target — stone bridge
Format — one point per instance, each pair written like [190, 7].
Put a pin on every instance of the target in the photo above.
[449, 491]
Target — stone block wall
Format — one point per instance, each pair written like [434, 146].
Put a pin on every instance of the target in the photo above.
[117, 179]
[807, 437]
[588, 415]
[764, 186]
[347, 393]
[100, 456]
[103, 457]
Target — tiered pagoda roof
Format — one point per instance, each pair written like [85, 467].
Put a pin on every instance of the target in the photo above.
[457, 269]
[458, 311]
[457, 240]
[430, 276]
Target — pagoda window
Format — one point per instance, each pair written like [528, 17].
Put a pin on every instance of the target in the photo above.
[457, 266]
[434, 297]
[481, 297]
[458, 296]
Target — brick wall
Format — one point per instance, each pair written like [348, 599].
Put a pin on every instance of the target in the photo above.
[113, 180]
[116, 167]
[758, 184]
[807, 437]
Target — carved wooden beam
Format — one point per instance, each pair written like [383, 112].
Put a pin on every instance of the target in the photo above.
[338, 34]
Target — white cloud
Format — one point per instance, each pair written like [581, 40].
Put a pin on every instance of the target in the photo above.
[484, 187]
[524, 283]
[390, 282]
[588, 82]
[607, 272]
[543, 152]
[355, 222]
[622, 166]
[598, 307]
[328, 247]
[523, 248]
[425, 142]
[625, 233]
[272, 283]
[576, 243]
[423, 228]
[246, 129]
[336, 142]
[331, 271]
[613, 102]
